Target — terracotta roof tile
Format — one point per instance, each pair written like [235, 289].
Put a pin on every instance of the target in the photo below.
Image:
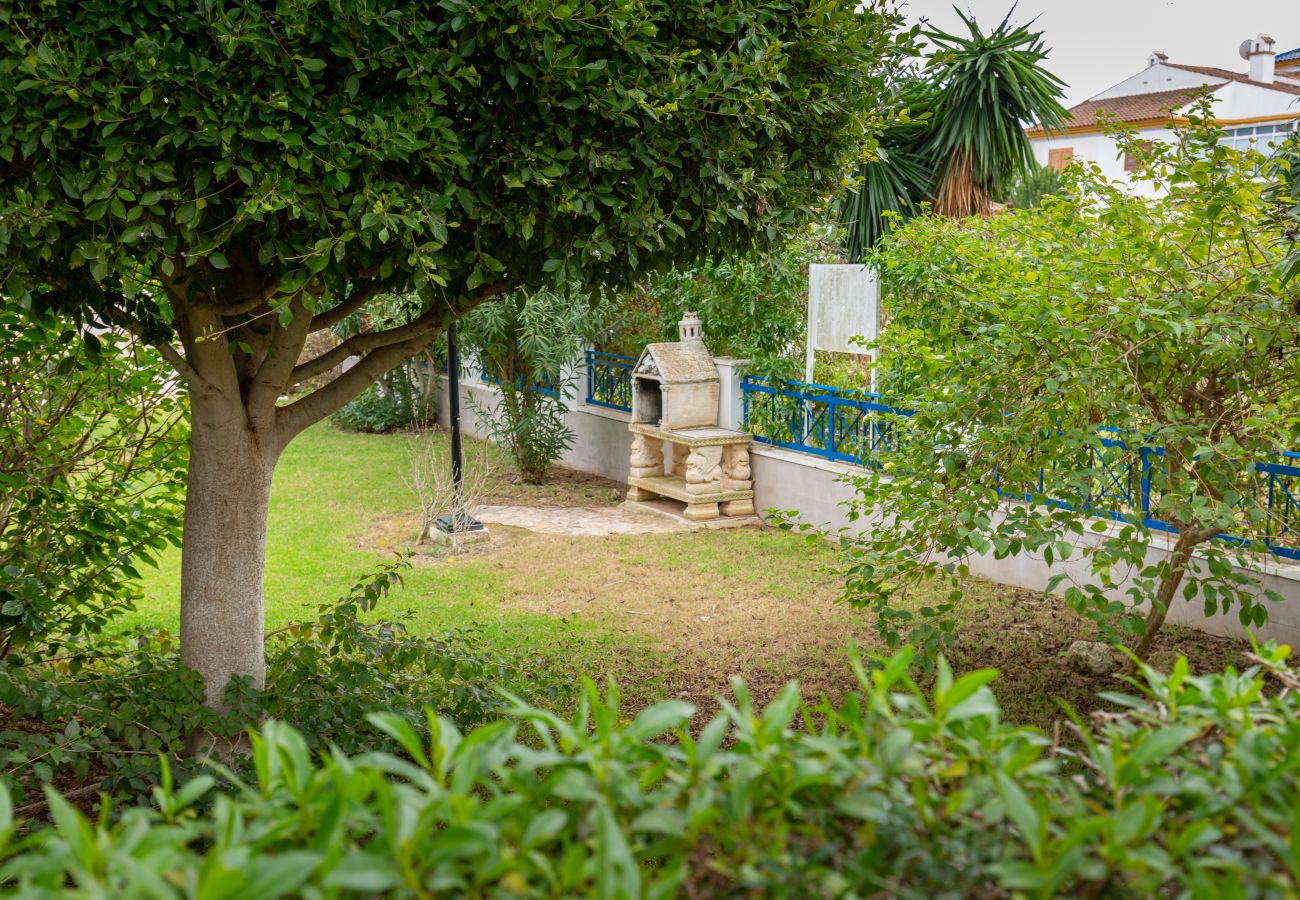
[1229, 75]
[1133, 108]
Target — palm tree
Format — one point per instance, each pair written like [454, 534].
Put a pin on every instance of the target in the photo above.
[965, 138]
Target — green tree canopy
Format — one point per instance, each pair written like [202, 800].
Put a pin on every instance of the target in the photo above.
[227, 177]
[1083, 371]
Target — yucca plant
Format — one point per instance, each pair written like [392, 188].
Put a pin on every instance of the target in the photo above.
[897, 181]
[965, 138]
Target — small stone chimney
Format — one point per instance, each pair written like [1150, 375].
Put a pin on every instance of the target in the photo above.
[689, 328]
[1259, 52]
[1157, 58]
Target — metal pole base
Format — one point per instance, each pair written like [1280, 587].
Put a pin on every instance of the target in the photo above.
[458, 524]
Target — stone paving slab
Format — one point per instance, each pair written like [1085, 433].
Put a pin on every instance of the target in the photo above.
[590, 521]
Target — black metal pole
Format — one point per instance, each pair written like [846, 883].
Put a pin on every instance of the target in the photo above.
[453, 401]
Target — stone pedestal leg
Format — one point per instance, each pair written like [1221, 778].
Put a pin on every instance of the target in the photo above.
[703, 469]
[647, 458]
[699, 511]
[637, 494]
[736, 474]
[677, 463]
[738, 508]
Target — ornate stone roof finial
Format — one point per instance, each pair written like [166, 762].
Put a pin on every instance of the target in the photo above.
[689, 328]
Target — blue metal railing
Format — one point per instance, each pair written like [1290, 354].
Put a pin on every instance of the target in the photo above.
[843, 426]
[818, 419]
[547, 384]
[609, 380]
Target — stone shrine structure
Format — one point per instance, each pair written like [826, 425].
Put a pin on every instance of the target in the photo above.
[678, 450]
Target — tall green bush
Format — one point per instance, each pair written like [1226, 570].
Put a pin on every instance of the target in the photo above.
[92, 472]
[1061, 359]
[1188, 789]
[752, 306]
[528, 344]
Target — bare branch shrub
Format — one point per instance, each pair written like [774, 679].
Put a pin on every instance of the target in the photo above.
[429, 477]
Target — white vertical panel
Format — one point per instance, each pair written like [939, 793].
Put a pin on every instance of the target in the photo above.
[843, 304]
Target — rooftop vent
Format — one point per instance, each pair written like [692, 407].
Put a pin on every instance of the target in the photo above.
[1157, 58]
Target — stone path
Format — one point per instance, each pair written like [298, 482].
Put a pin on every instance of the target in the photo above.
[591, 521]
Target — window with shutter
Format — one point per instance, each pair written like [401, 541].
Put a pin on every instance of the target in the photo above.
[1059, 158]
[1133, 160]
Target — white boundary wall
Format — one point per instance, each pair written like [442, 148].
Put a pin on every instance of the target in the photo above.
[601, 441]
[786, 480]
[816, 488]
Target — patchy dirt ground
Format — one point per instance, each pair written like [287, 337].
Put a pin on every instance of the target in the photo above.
[765, 605]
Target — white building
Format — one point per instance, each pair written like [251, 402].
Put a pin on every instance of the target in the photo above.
[1260, 106]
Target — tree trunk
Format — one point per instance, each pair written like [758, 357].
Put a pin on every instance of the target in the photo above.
[224, 553]
[1188, 539]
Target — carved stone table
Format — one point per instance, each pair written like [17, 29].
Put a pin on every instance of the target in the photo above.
[708, 469]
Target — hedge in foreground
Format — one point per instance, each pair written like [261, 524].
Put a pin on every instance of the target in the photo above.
[1191, 791]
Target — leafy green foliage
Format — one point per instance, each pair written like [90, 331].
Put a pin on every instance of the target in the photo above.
[962, 138]
[531, 426]
[325, 143]
[101, 715]
[529, 344]
[1166, 319]
[92, 467]
[395, 402]
[1284, 170]
[892, 187]
[1030, 186]
[1187, 791]
[104, 713]
[752, 307]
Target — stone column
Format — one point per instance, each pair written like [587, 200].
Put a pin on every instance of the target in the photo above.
[731, 410]
[703, 469]
[677, 462]
[647, 461]
[736, 476]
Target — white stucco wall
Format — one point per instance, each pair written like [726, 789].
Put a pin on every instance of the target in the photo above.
[1103, 151]
[1234, 101]
[786, 480]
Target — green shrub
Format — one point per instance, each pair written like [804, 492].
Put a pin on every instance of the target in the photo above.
[531, 426]
[1190, 790]
[528, 343]
[105, 713]
[752, 306]
[395, 402]
[92, 473]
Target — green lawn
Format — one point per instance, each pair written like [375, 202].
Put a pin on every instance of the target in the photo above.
[668, 614]
[330, 489]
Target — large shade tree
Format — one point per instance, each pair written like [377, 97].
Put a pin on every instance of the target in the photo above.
[227, 177]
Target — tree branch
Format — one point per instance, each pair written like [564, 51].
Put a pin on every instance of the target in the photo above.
[205, 345]
[336, 314]
[360, 344]
[271, 379]
[397, 346]
[183, 368]
[165, 350]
